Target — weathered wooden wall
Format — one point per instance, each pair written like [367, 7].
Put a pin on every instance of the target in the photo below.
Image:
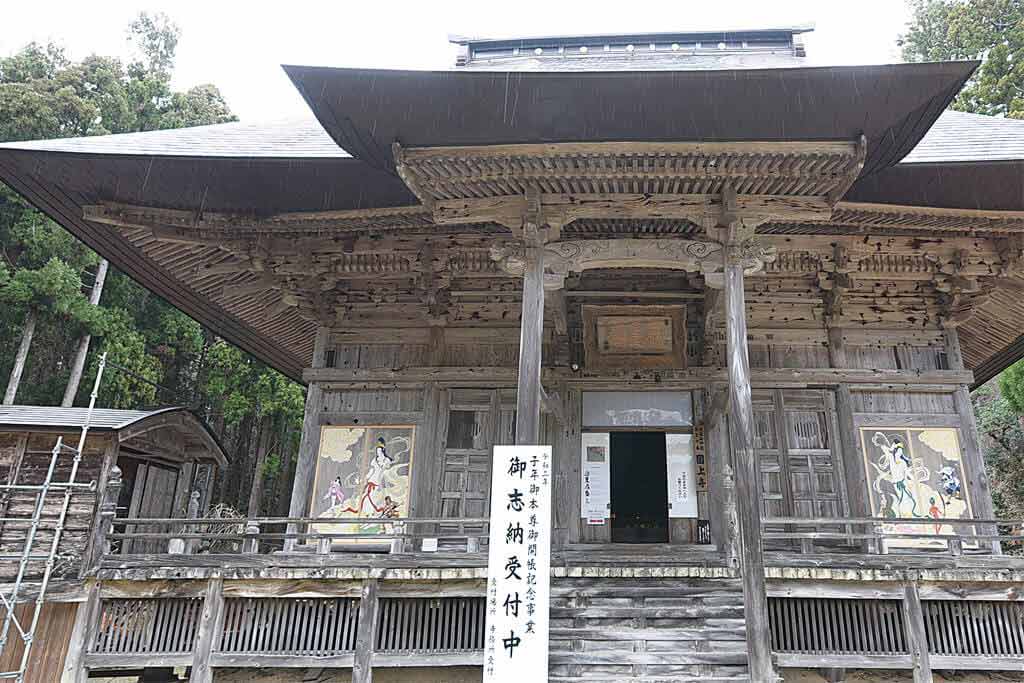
[26, 458]
[456, 385]
[46, 661]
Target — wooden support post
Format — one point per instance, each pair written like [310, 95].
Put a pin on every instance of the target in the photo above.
[566, 491]
[362, 665]
[179, 546]
[193, 512]
[834, 675]
[716, 449]
[83, 634]
[853, 465]
[974, 461]
[210, 625]
[251, 544]
[103, 520]
[531, 338]
[917, 641]
[748, 476]
[305, 464]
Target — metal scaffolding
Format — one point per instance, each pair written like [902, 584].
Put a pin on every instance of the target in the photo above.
[10, 599]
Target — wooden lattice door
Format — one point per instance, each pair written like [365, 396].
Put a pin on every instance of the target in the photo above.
[800, 463]
[476, 420]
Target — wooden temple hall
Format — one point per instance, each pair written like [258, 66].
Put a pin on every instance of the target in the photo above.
[743, 298]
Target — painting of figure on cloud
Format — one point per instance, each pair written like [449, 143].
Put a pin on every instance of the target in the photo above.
[362, 473]
[916, 473]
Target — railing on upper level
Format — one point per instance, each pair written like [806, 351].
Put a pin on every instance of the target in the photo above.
[884, 535]
[321, 535]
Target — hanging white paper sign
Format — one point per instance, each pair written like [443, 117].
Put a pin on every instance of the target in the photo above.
[595, 486]
[682, 484]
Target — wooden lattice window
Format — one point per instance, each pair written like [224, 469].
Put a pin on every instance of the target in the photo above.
[147, 625]
[430, 624]
[296, 626]
[837, 626]
[477, 420]
[801, 468]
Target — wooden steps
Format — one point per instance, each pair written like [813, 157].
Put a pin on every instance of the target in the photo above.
[667, 630]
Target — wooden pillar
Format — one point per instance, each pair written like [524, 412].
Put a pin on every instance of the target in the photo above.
[748, 476]
[973, 459]
[853, 465]
[362, 665]
[917, 641]
[565, 497]
[210, 624]
[106, 509]
[82, 634]
[716, 449]
[305, 464]
[531, 339]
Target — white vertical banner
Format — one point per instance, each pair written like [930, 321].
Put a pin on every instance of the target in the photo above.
[519, 565]
[682, 481]
[595, 474]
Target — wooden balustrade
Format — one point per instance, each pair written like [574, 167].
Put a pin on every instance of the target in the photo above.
[263, 534]
[880, 535]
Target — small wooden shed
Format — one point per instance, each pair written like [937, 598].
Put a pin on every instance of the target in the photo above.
[163, 455]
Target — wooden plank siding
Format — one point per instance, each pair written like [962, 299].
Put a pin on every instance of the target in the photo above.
[52, 636]
[30, 468]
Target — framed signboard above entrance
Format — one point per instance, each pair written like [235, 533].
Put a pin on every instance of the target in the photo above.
[631, 337]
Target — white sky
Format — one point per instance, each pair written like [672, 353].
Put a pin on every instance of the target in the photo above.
[239, 46]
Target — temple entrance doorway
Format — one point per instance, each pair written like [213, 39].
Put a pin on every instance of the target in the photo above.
[639, 497]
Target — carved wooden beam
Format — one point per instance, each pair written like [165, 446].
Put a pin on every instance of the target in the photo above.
[766, 168]
[566, 208]
[925, 218]
[574, 256]
[147, 217]
[852, 173]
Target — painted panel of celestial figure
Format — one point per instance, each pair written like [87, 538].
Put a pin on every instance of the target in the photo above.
[364, 473]
[916, 473]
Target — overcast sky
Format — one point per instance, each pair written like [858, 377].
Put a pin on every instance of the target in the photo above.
[240, 46]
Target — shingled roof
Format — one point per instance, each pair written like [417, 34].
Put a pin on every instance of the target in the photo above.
[298, 138]
[955, 137]
[958, 136]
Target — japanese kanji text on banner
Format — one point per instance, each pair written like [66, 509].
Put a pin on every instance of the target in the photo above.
[519, 565]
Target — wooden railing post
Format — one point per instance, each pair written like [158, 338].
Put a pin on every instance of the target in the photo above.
[178, 546]
[917, 640]
[252, 542]
[362, 665]
[99, 543]
[210, 625]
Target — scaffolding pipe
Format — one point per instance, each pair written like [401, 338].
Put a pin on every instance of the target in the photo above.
[69, 487]
[59, 530]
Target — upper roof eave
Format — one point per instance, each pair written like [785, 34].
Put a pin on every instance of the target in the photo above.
[562, 38]
[366, 110]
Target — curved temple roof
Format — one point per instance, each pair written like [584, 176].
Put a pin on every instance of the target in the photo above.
[298, 166]
[366, 110]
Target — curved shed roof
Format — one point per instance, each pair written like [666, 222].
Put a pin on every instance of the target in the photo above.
[129, 425]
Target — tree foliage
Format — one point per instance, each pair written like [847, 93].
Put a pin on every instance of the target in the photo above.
[157, 354]
[989, 30]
